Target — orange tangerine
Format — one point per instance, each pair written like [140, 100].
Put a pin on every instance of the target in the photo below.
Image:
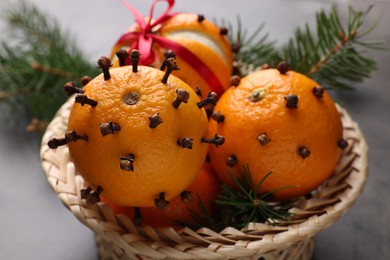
[277, 121]
[141, 140]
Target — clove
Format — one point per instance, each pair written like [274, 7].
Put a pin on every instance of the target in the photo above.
[186, 196]
[217, 140]
[55, 143]
[85, 192]
[73, 136]
[198, 91]
[171, 66]
[223, 31]
[318, 91]
[85, 80]
[211, 98]
[235, 81]
[138, 219]
[167, 54]
[70, 136]
[104, 64]
[83, 99]
[209, 110]
[155, 120]
[70, 88]
[127, 163]
[135, 56]
[91, 197]
[291, 101]
[303, 152]
[109, 128]
[218, 117]
[161, 203]
[185, 142]
[283, 67]
[342, 143]
[94, 197]
[236, 47]
[122, 54]
[236, 68]
[231, 160]
[263, 139]
[200, 18]
[182, 95]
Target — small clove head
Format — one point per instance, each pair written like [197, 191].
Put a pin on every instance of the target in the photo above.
[171, 66]
[342, 143]
[291, 101]
[304, 152]
[186, 196]
[217, 140]
[70, 88]
[83, 99]
[85, 80]
[200, 18]
[127, 163]
[109, 128]
[318, 91]
[218, 117]
[235, 80]
[185, 142]
[135, 56]
[182, 96]
[223, 31]
[231, 160]
[212, 98]
[161, 203]
[104, 64]
[155, 120]
[283, 67]
[263, 139]
[122, 54]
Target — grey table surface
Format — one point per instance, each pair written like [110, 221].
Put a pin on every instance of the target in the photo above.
[35, 225]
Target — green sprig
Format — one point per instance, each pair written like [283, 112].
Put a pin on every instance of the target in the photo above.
[36, 59]
[241, 206]
[247, 204]
[333, 54]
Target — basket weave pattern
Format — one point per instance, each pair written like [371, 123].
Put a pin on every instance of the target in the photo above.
[119, 238]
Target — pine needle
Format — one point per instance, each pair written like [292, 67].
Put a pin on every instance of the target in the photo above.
[37, 57]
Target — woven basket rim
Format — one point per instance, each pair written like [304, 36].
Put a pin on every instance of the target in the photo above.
[315, 214]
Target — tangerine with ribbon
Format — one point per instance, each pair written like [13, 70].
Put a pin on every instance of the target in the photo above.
[201, 48]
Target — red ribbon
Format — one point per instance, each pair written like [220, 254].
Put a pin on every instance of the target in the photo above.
[144, 39]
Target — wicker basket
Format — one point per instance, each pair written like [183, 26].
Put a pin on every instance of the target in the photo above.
[118, 238]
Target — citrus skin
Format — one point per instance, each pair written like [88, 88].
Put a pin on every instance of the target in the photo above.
[297, 142]
[160, 164]
[205, 40]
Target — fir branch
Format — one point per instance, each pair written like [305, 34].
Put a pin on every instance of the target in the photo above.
[333, 56]
[36, 58]
[247, 204]
[251, 50]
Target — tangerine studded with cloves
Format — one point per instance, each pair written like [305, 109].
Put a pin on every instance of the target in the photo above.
[281, 121]
[133, 146]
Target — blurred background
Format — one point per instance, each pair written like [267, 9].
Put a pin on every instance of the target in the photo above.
[35, 225]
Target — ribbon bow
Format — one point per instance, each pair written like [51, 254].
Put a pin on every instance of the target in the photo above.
[144, 39]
